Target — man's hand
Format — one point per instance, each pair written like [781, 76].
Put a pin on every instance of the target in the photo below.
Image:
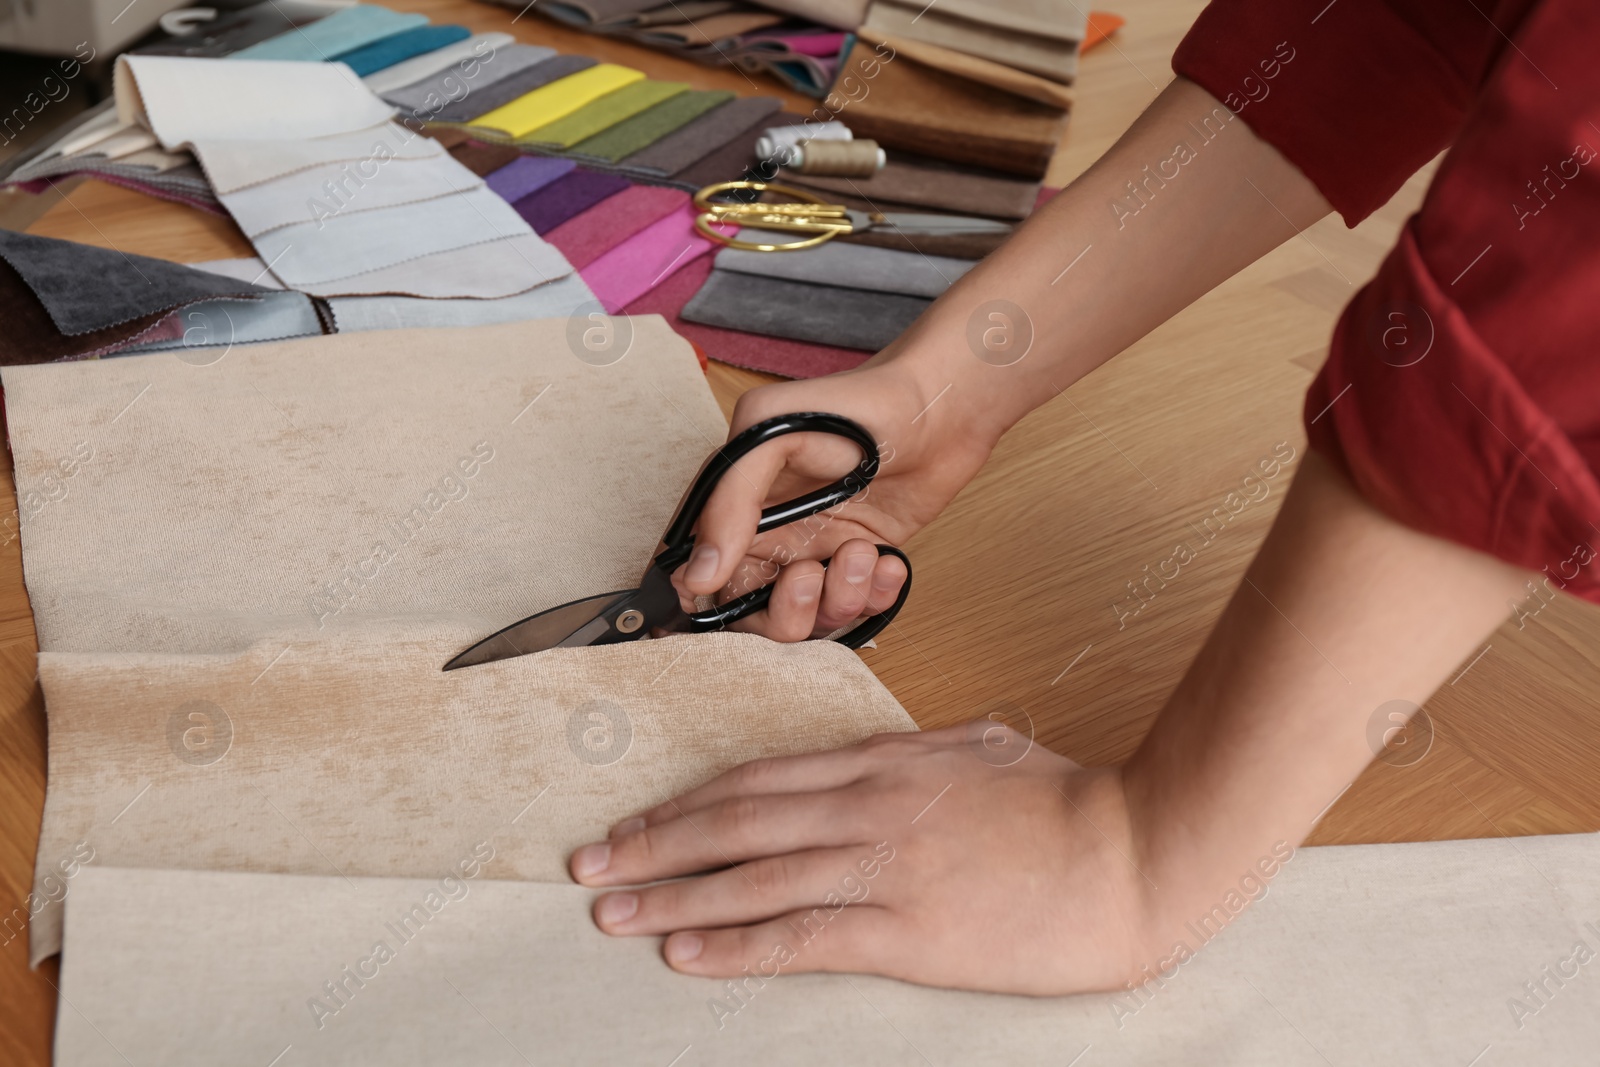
[928, 857]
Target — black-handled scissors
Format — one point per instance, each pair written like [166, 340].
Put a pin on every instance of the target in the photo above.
[629, 614]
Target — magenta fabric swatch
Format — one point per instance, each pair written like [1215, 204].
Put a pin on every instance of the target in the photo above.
[526, 175]
[822, 45]
[645, 260]
[585, 238]
[772, 355]
[571, 194]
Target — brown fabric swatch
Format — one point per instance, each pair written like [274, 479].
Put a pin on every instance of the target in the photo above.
[956, 246]
[705, 32]
[484, 159]
[693, 142]
[973, 68]
[909, 105]
[736, 156]
[1037, 36]
[30, 337]
[908, 181]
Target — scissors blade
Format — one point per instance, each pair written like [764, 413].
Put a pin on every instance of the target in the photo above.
[565, 626]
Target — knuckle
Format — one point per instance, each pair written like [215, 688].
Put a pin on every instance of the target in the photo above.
[756, 775]
[771, 878]
[740, 816]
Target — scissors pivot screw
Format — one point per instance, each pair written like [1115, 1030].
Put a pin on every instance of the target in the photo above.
[630, 620]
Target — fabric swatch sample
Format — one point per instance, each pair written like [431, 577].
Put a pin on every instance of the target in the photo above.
[484, 159]
[341, 31]
[680, 710]
[319, 194]
[952, 245]
[230, 33]
[590, 12]
[567, 196]
[952, 112]
[875, 270]
[698, 139]
[31, 337]
[489, 270]
[708, 33]
[771, 355]
[1038, 36]
[557, 99]
[1363, 954]
[840, 14]
[356, 243]
[183, 101]
[645, 260]
[735, 156]
[559, 299]
[973, 68]
[590, 235]
[646, 128]
[430, 96]
[925, 183]
[480, 47]
[527, 174]
[233, 165]
[84, 288]
[821, 314]
[399, 47]
[512, 86]
[603, 113]
[210, 327]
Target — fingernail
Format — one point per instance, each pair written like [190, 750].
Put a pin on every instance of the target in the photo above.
[806, 590]
[627, 826]
[858, 567]
[617, 908]
[681, 948]
[703, 564]
[591, 860]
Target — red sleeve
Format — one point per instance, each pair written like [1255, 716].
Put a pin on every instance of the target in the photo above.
[1358, 94]
[1462, 387]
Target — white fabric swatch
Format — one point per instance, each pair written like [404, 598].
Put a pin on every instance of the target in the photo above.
[429, 63]
[334, 189]
[559, 299]
[233, 165]
[219, 324]
[310, 254]
[184, 101]
[1363, 956]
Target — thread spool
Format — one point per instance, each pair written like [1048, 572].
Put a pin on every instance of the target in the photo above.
[839, 159]
[776, 142]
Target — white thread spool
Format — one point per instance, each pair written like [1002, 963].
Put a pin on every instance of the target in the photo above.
[777, 143]
[839, 159]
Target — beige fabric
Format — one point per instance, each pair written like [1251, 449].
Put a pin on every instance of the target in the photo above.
[223, 501]
[1038, 37]
[357, 755]
[1363, 956]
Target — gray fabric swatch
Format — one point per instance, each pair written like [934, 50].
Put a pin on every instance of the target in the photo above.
[487, 271]
[215, 325]
[821, 314]
[878, 270]
[451, 85]
[235, 165]
[560, 298]
[486, 98]
[307, 254]
[86, 288]
[335, 189]
[703, 136]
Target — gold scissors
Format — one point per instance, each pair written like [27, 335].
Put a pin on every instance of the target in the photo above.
[807, 214]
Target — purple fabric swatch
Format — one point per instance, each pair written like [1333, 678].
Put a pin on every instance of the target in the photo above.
[567, 196]
[526, 175]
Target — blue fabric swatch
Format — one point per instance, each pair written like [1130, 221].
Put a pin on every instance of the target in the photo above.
[340, 32]
[396, 48]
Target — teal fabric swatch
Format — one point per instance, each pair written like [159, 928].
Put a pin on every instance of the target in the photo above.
[398, 47]
[342, 31]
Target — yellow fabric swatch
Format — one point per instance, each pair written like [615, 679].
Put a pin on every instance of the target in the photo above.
[557, 100]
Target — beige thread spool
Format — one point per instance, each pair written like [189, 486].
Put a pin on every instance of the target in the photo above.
[839, 159]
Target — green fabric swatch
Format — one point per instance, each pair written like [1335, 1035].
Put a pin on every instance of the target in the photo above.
[603, 113]
[648, 127]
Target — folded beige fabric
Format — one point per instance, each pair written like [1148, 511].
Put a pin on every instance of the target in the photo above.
[499, 472]
[357, 755]
[1447, 954]
[1038, 36]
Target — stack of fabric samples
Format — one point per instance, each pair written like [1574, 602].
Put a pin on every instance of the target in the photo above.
[802, 52]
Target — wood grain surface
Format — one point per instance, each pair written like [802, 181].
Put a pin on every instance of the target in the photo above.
[1015, 583]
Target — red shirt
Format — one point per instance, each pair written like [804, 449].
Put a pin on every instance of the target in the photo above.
[1462, 388]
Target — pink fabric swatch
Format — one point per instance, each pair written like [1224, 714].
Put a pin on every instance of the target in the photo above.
[586, 237]
[807, 44]
[645, 260]
[773, 355]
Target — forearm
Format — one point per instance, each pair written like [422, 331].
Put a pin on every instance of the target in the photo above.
[1341, 612]
[1140, 235]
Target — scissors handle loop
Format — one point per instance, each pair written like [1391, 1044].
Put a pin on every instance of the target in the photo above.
[811, 215]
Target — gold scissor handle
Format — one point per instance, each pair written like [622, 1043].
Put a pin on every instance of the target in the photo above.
[811, 215]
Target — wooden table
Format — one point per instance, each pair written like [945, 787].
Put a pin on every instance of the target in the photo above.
[1016, 581]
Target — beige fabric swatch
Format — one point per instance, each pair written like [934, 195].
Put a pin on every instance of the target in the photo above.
[355, 754]
[223, 501]
[1359, 956]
